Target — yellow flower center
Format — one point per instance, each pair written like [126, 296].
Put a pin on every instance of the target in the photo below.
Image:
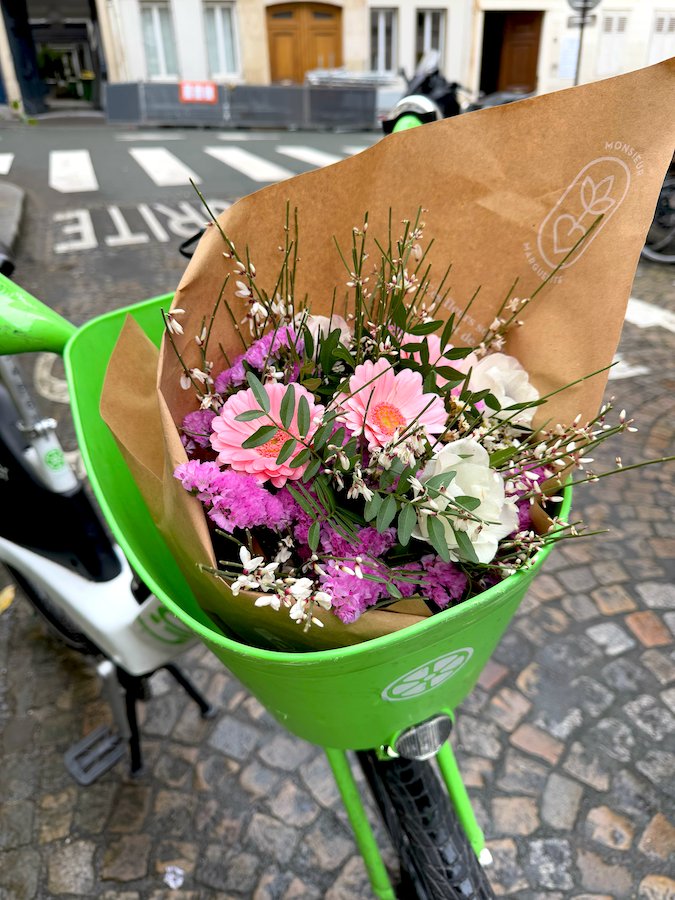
[387, 418]
[274, 445]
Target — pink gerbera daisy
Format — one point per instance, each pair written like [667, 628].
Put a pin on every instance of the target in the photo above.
[229, 435]
[392, 402]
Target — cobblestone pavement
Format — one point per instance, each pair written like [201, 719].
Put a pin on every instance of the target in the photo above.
[567, 744]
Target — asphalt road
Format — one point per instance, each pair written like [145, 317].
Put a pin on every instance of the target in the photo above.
[106, 209]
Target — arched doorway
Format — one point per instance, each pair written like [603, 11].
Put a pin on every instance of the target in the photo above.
[303, 36]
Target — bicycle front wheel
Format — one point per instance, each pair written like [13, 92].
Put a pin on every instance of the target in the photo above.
[437, 860]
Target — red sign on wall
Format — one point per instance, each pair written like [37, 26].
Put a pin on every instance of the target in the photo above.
[198, 91]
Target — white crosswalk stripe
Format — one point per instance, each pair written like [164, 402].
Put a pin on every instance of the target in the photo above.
[352, 149]
[165, 169]
[318, 158]
[6, 160]
[238, 136]
[71, 171]
[254, 167]
[134, 137]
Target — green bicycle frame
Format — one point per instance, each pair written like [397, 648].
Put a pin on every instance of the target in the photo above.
[358, 697]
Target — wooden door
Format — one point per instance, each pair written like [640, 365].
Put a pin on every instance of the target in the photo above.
[303, 36]
[520, 52]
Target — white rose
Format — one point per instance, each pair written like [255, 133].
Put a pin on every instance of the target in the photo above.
[474, 478]
[323, 325]
[506, 380]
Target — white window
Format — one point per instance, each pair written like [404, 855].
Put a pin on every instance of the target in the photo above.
[221, 39]
[662, 43]
[160, 46]
[430, 32]
[383, 40]
[612, 39]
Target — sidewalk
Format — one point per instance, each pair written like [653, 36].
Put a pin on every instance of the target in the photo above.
[567, 744]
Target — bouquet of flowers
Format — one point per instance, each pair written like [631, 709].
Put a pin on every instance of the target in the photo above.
[354, 460]
[334, 435]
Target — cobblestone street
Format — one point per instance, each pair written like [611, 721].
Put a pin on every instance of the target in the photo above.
[567, 744]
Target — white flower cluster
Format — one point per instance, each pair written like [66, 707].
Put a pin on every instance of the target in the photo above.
[296, 594]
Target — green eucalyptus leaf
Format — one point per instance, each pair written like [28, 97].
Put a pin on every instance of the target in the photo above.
[286, 451]
[304, 418]
[301, 458]
[439, 481]
[436, 531]
[321, 435]
[466, 548]
[447, 332]
[249, 415]
[458, 352]
[260, 437]
[426, 328]
[372, 507]
[386, 513]
[287, 407]
[469, 503]
[406, 523]
[313, 536]
[311, 471]
[393, 590]
[259, 391]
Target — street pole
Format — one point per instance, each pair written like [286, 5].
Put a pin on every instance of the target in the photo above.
[585, 6]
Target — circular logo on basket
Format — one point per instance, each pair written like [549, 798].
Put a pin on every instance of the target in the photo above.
[428, 676]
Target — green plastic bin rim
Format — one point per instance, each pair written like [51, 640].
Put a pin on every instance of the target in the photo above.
[241, 648]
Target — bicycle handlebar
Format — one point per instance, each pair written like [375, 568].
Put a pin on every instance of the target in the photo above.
[27, 325]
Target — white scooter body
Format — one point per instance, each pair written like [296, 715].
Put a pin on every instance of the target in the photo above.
[138, 638]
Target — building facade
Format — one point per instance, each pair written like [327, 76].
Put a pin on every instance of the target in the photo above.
[488, 45]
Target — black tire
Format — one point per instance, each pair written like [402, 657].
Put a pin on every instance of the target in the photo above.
[660, 244]
[437, 860]
[56, 620]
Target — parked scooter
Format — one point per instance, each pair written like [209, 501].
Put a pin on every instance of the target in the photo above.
[429, 96]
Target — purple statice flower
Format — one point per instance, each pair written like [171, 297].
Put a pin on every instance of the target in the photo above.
[256, 355]
[232, 377]
[351, 595]
[442, 583]
[240, 501]
[197, 476]
[197, 426]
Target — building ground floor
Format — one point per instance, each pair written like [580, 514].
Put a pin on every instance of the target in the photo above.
[62, 54]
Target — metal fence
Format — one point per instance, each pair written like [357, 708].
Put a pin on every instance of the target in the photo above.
[245, 106]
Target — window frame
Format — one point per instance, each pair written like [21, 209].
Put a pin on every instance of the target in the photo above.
[154, 6]
[381, 12]
[428, 12]
[218, 6]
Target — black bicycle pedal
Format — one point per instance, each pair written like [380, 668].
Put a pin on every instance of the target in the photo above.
[95, 754]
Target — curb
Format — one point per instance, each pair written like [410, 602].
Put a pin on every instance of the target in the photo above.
[11, 213]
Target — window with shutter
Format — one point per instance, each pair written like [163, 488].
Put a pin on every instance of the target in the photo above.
[612, 39]
[662, 42]
[383, 40]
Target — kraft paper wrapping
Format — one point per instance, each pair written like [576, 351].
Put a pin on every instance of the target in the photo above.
[507, 192]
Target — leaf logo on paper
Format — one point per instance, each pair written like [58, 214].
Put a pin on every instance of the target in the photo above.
[428, 676]
[598, 190]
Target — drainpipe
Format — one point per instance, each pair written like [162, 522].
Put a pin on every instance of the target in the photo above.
[108, 41]
[12, 89]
